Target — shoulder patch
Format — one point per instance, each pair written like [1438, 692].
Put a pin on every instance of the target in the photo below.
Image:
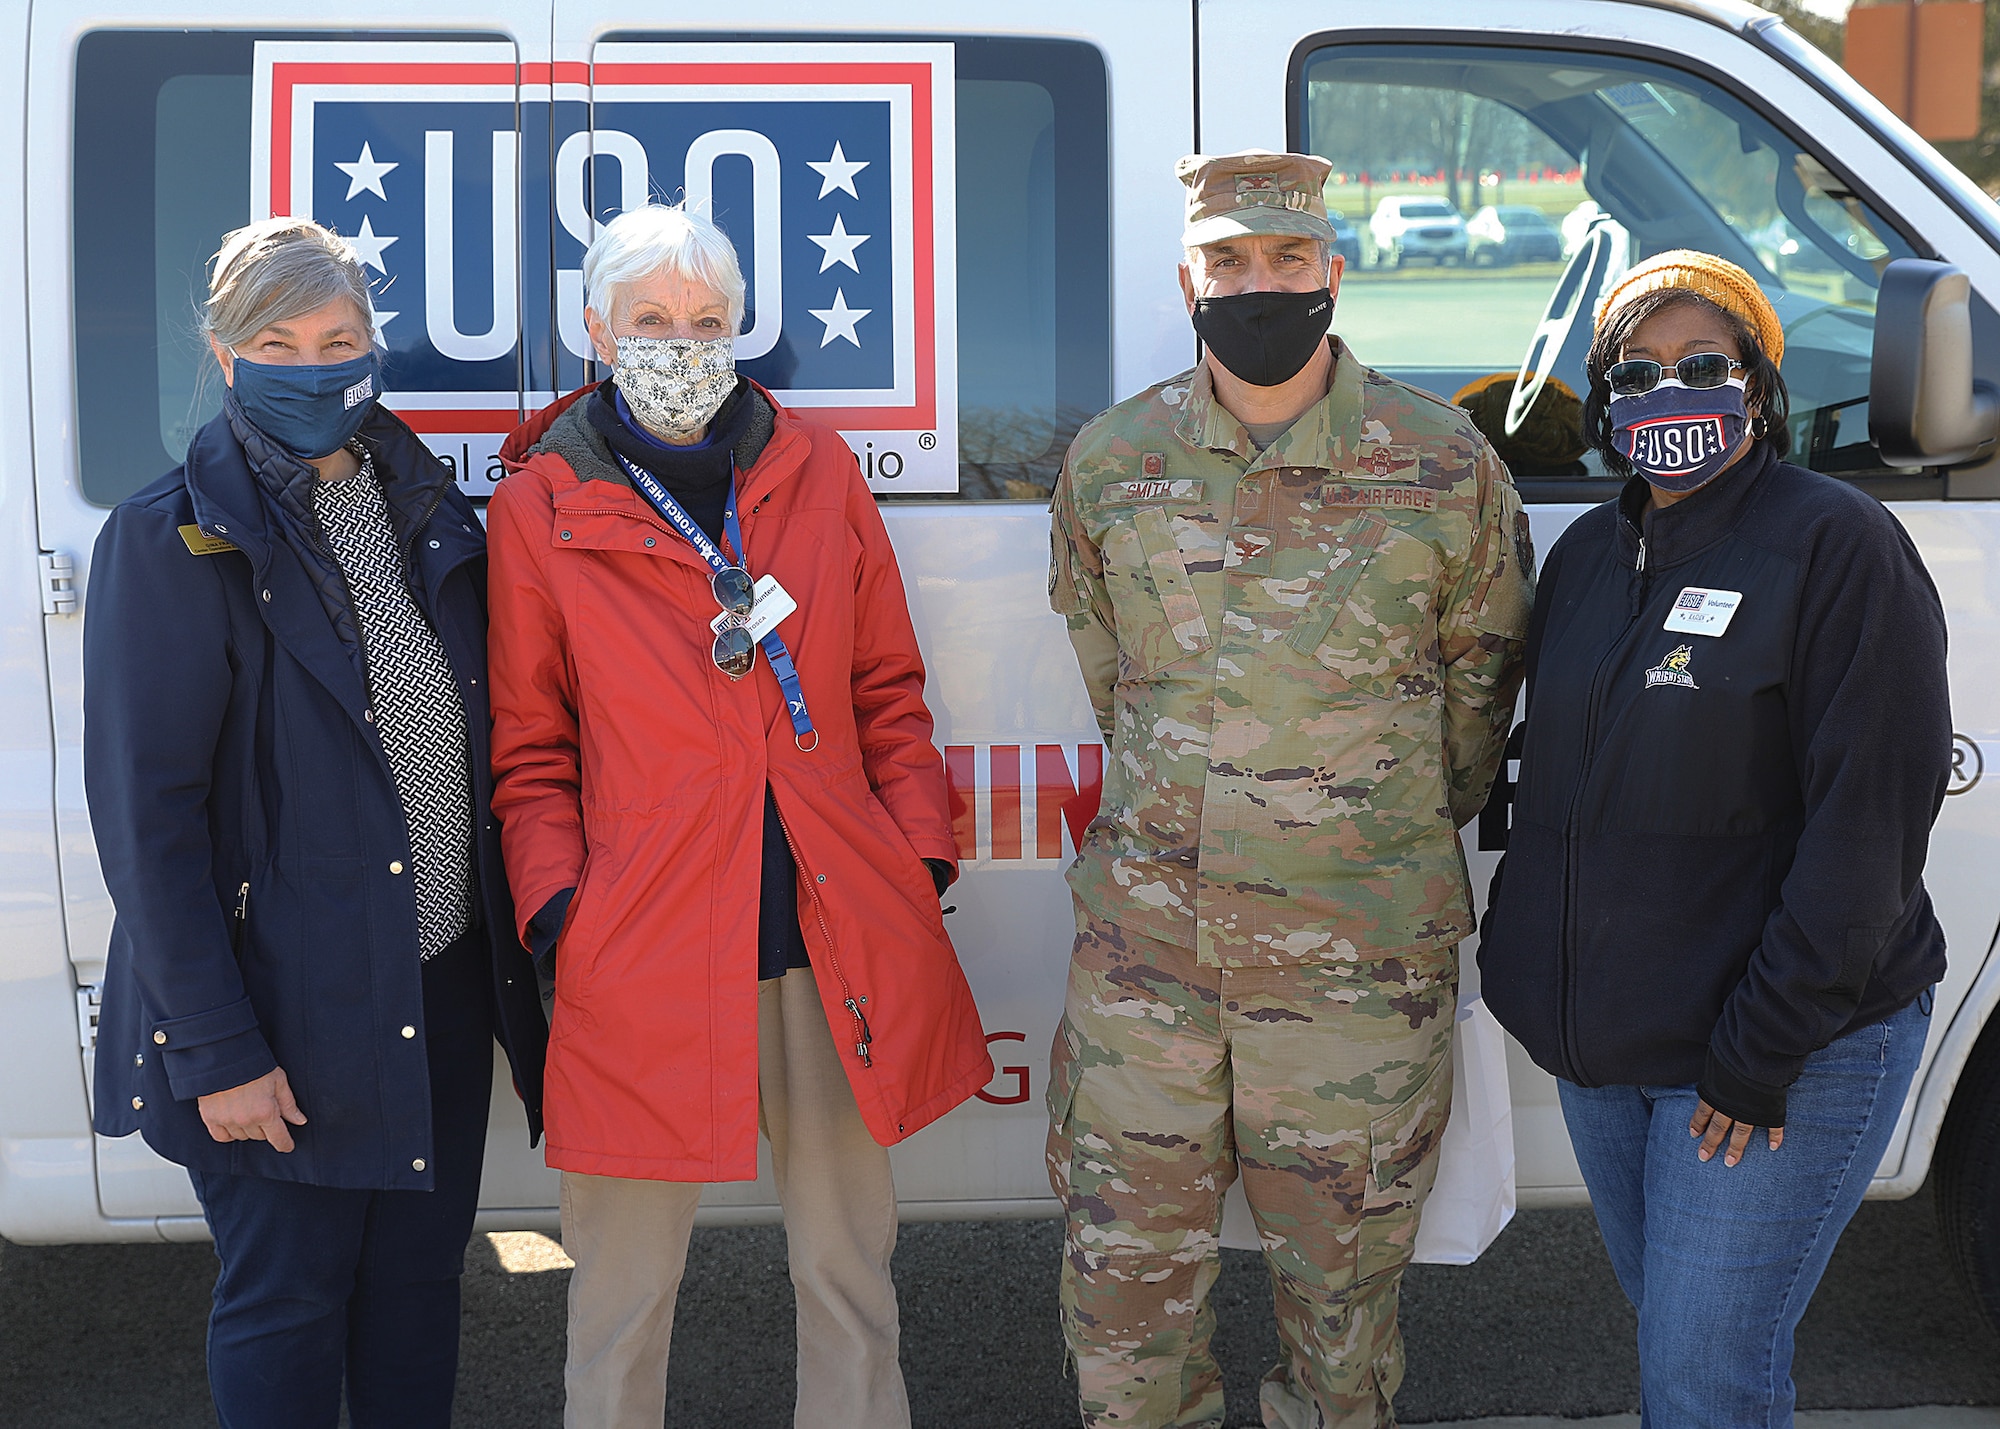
[200, 543]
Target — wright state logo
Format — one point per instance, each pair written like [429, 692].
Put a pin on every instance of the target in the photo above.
[1673, 670]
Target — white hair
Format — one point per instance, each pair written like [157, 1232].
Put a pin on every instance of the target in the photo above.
[661, 237]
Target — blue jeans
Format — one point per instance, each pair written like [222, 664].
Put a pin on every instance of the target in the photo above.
[1720, 1261]
[322, 1284]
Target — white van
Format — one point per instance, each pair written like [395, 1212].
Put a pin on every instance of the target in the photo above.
[960, 224]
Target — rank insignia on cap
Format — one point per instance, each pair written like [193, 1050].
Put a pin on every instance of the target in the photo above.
[1154, 463]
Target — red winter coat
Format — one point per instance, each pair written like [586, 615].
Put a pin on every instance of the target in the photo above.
[628, 767]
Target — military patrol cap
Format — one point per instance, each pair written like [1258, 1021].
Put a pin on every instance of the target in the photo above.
[1256, 191]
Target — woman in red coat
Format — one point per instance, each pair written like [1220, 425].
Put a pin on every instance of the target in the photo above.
[726, 829]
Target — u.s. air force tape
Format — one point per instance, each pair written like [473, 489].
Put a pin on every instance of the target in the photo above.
[1402, 498]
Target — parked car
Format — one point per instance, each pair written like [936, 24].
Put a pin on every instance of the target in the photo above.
[1407, 226]
[1511, 233]
[1346, 238]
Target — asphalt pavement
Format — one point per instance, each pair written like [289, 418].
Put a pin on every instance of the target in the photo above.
[112, 1335]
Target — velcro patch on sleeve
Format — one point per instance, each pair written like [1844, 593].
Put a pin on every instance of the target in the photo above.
[1393, 498]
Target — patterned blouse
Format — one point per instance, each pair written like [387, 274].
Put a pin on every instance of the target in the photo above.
[414, 702]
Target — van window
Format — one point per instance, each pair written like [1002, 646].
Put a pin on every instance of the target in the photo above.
[1034, 252]
[1542, 164]
[162, 170]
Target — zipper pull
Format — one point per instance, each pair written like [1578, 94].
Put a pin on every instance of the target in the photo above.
[242, 918]
[1640, 564]
[866, 1038]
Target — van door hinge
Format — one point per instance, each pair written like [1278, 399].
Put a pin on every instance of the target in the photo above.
[58, 583]
[89, 1000]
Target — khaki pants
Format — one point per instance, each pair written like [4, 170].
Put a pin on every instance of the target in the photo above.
[629, 1239]
[1325, 1086]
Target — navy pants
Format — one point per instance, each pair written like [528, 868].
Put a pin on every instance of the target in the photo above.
[1720, 1261]
[321, 1285]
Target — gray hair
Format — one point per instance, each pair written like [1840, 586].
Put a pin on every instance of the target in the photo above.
[276, 270]
[643, 241]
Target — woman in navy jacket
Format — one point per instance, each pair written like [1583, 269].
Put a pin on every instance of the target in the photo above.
[1711, 922]
[286, 758]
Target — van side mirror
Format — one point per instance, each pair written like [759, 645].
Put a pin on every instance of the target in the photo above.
[1925, 408]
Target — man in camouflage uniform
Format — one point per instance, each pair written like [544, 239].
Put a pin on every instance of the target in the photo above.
[1299, 608]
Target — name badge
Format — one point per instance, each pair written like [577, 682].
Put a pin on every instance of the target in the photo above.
[772, 604]
[1698, 611]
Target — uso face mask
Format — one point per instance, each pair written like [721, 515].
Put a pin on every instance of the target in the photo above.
[674, 385]
[310, 411]
[1679, 437]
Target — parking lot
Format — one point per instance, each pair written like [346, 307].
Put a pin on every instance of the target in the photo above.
[112, 1335]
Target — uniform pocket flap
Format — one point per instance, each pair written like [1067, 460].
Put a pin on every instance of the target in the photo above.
[1351, 558]
[1170, 579]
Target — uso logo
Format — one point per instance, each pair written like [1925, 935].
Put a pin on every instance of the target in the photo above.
[471, 185]
[1674, 444]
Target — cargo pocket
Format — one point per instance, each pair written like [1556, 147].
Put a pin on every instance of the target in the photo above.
[1065, 1071]
[1376, 630]
[1159, 619]
[1403, 1152]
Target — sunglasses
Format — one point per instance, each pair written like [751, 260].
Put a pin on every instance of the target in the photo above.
[1701, 370]
[734, 652]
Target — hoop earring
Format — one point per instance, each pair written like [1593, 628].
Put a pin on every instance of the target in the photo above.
[1759, 428]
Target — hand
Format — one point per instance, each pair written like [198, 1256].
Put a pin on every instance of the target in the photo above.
[1712, 1126]
[255, 1111]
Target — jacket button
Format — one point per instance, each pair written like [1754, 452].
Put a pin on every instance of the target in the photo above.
[368, 715]
[418, 1164]
[222, 530]
[409, 1031]
[651, 542]
[565, 535]
[138, 1103]
[139, 1059]
[395, 865]
[822, 878]
[267, 597]
[160, 1038]
[434, 545]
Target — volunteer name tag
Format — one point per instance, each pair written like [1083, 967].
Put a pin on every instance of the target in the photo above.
[773, 604]
[1703, 612]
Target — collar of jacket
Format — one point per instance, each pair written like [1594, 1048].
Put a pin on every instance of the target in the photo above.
[1689, 527]
[1325, 437]
[235, 476]
[564, 430]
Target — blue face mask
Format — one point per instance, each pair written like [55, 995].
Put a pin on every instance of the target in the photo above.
[309, 411]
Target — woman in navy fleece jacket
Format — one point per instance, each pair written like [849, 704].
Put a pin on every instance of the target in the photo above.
[1711, 924]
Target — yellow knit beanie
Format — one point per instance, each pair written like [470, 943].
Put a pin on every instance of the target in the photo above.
[1716, 279]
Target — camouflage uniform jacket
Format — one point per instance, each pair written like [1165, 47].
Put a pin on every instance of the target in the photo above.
[1303, 661]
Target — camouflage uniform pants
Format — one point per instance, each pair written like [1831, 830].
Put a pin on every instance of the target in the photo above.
[1326, 1085]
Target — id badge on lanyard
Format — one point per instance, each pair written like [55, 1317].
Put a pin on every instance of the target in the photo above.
[761, 622]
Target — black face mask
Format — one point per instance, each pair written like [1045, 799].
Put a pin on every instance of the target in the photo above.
[1264, 338]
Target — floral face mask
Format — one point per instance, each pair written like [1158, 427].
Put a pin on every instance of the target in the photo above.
[675, 385]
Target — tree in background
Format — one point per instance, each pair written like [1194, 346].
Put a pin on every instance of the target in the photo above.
[1980, 157]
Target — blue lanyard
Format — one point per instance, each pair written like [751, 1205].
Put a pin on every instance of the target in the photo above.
[647, 485]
